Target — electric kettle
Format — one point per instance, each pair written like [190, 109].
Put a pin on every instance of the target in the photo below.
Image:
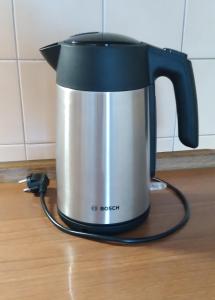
[106, 125]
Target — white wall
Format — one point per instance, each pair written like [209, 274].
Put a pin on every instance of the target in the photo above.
[27, 83]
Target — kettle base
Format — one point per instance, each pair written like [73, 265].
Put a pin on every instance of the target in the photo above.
[104, 228]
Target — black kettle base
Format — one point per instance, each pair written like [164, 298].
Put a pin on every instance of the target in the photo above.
[104, 228]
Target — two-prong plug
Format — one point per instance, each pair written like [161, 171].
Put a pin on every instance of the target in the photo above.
[37, 183]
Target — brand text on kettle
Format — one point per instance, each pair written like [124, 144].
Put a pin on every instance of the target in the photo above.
[104, 208]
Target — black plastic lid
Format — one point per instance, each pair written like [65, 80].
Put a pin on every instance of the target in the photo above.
[100, 38]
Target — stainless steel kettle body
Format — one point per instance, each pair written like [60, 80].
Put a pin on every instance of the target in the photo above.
[102, 156]
[106, 125]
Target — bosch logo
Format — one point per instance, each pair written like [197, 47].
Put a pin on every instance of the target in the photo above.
[94, 208]
[114, 207]
[105, 208]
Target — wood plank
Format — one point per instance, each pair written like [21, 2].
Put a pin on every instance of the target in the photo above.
[39, 262]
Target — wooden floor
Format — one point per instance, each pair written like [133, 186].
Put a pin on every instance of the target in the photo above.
[39, 262]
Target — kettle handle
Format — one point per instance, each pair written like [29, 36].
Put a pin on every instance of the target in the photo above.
[152, 129]
[178, 68]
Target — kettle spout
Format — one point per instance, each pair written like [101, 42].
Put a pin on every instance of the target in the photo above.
[51, 54]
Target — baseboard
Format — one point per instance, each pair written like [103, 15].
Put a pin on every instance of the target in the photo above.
[191, 159]
[14, 171]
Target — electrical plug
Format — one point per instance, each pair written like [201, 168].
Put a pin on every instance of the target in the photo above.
[37, 183]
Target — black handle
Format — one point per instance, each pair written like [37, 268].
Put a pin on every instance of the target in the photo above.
[152, 129]
[176, 66]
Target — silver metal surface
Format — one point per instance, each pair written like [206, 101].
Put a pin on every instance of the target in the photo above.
[102, 155]
[23, 180]
[157, 186]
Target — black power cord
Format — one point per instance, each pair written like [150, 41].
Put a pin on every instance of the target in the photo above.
[37, 183]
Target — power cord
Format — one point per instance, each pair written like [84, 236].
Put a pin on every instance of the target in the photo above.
[38, 183]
